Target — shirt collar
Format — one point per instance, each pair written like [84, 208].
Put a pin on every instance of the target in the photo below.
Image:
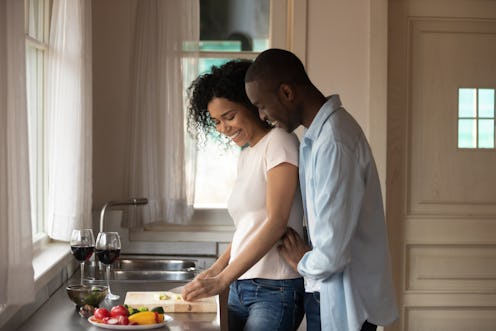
[332, 104]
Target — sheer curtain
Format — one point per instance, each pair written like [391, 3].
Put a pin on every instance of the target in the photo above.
[69, 127]
[162, 164]
[16, 270]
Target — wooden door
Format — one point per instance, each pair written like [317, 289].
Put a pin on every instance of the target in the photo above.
[440, 199]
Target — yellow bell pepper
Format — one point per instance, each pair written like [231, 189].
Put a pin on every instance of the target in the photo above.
[145, 317]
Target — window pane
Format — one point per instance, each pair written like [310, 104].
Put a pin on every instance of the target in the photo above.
[220, 45]
[467, 134]
[216, 163]
[486, 133]
[215, 174]
[467, 102]
[244, 21]
[486, 103]
[205, 64]
[36, 19]
[35, 100]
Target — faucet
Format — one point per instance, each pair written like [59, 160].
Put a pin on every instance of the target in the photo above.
[130, 202]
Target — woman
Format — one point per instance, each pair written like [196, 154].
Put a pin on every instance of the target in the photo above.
[265, 292]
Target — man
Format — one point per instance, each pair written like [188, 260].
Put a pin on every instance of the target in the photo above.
[347, 269]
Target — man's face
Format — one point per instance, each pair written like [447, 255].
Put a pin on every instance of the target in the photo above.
[273, 106]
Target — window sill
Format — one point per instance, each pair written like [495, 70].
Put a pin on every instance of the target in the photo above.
[53, 265]
[49, 260]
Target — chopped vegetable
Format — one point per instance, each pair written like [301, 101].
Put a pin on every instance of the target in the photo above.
[101, 313]
[159, 310]
[112, 321]
[132, 310]
[119, 310]
[145, 317]
[161, 296]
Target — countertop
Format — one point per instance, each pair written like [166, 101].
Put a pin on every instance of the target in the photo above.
[59, 312]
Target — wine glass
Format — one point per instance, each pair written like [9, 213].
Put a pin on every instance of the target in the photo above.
[82, 246]
[108, 249]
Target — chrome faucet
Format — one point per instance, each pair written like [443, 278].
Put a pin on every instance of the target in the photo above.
[130, 202]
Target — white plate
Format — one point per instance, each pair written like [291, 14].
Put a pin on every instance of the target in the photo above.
[167, 319]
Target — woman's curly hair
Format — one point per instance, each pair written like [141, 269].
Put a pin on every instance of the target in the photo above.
[225, 81]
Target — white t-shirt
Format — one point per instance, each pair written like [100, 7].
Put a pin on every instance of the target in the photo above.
[246, 204]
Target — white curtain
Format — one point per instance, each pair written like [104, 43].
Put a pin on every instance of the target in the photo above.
[69, 127]
[16, 269]
[162, 162]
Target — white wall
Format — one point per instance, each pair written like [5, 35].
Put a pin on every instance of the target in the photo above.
[337, 52]
[347, 54]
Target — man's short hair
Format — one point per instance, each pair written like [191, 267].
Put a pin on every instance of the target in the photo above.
[276, 66]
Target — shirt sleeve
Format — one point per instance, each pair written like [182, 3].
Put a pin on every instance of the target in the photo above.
[282, 147]
[337, 192]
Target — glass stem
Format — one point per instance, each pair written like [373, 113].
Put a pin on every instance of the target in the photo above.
[108, 278]
[82, 272]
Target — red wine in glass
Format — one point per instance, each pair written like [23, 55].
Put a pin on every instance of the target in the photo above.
[107, 250]
[107, 256]
[82, 253]
[82, 246]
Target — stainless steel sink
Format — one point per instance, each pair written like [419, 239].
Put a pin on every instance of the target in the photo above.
[153, 269]
[153, 275]
[154, 264]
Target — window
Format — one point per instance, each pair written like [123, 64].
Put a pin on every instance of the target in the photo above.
[36, 26]
[476, 118]
[229, 29]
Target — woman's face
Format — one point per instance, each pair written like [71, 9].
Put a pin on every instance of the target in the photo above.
[236, 121]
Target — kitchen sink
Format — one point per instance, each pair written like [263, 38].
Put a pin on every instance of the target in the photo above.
[153, 269]
[153, 275]
[154, 264]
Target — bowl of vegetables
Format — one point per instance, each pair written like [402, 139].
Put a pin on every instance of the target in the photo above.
[86, 294]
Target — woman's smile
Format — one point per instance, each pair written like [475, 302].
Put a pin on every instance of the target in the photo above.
[235, 135]
[236, 122]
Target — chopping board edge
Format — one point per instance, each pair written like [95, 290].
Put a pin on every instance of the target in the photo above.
[147, 299]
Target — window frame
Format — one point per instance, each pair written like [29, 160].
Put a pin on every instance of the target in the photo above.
[476, 118]
[38, 44]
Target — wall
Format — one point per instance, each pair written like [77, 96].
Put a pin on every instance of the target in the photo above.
[112, 37]
[337, 52]
[345, 54]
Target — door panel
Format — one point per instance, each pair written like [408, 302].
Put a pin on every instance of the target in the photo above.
[447, 55]
[440, 200]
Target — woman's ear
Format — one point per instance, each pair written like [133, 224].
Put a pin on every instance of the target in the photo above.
[287, 92]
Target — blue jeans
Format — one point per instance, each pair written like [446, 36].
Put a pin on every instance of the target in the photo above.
[266, 304]
[312, 311]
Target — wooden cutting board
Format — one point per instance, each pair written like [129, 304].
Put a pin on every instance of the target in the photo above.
[172, 304]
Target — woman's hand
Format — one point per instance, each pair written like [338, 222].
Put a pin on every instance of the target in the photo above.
[210, 272]
[203, 286]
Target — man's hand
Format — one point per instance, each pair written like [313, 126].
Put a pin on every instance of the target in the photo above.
[292, 248]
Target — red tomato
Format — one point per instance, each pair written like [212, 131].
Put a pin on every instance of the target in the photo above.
[123, 320]
[117, 311]
[101, 313]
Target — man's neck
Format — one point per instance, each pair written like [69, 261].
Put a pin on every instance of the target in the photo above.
[312, 105]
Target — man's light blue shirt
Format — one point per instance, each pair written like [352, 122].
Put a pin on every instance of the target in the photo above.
[347, 229]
